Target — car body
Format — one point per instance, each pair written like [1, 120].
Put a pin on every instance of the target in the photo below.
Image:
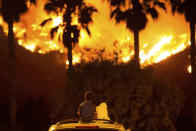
[94, 125]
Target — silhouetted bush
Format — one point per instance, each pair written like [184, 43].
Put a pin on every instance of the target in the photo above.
[133, 97]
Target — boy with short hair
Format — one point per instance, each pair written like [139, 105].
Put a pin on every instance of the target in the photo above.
[87, 110]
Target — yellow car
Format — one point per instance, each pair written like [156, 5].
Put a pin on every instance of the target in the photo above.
[94, 125]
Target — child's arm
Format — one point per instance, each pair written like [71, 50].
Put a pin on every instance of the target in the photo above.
[79, 110]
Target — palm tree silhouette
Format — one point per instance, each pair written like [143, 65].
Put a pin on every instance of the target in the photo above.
[188, 9]
[134, 14]
[11, 11]
[71, 32]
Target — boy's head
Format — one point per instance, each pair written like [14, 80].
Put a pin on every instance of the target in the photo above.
[88, 96]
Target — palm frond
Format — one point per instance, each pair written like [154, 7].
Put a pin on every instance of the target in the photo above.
[117, 9]
[53, 31]
[50, 7]
[33, 1]
[182, 7]
[160, 4]
[117, 2]
[85, 14]
[11, 10]
[185, 7]
[54, 6]
[137, 6]
[45, 21]
[87, 30]
[174, 9]
[153, 13]
[73, 4]
[20, 7]
[174, 5]
[121, 16]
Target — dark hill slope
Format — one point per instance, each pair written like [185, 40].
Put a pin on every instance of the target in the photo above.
[175, 69]
[36, 75]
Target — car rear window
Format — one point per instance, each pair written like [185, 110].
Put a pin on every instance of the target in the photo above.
[86, 129]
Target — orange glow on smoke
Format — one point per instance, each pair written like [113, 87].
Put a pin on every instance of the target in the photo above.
[159, 40]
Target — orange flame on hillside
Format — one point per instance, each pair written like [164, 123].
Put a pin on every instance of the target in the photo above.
[190, 69]
[109, 37]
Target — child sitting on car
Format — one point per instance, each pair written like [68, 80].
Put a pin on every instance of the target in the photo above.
[87, 110]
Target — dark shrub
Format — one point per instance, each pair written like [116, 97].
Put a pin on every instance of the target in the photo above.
[133, 97]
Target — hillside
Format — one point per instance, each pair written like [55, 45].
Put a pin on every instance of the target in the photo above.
[174, 69]
[42, 75]
[36, 75]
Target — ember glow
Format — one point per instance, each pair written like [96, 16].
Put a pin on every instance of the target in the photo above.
[190, 69]
[160, 39]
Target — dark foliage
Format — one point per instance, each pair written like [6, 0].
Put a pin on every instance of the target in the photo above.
[186, 7]
[12, 9]
[33, 115]
[133, 97]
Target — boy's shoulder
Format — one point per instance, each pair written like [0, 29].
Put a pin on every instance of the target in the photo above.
[83, 103]
[86, 103]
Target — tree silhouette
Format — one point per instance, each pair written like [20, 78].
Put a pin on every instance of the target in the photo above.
[11, 11]
[71, 32]
[134, 14]
[188, 9]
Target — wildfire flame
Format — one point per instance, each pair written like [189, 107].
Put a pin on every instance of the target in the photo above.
[57, 21]
[113, 38]
[190, 69]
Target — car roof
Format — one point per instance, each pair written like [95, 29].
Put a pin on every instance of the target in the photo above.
[94, 124]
